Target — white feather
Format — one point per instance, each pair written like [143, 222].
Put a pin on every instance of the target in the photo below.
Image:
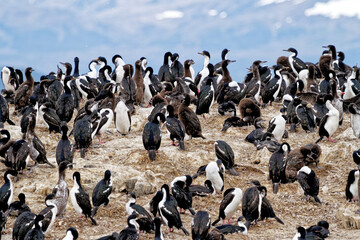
[212, 174]
[234, 204]
[354, 187]
[122, 120]
[74, 190]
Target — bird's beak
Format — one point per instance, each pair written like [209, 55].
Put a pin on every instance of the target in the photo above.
[325, 46]
[263, 61]
[201, 53]
[232, 60]
[286, 50]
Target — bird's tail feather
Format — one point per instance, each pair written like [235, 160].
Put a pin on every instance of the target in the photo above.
[182, 145]
[216, 221]
[317, 199]
[184, 230]
[93, 220]
[279, 220]
[94, 211]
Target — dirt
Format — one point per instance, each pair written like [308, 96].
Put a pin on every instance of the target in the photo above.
[126, 158]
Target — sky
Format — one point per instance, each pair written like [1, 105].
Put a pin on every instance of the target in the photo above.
[42, 33]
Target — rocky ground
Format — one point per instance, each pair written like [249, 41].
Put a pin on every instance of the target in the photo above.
[128, 161]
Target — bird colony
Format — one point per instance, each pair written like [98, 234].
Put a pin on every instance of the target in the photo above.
[124, 152]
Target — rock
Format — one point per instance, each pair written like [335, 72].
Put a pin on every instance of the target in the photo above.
[348, 217]
[142, 185]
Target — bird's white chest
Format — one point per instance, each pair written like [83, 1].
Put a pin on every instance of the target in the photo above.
[74, 202]
[332, 122]
[354, 189]
[355, 124]
[11, 193]
[232, 207]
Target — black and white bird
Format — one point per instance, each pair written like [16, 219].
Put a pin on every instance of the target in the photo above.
[306, 117]
[106, 117]
[224, 54]
[309, 182]
[83, 132]
[180, 190]
[256, 206]
[148, 88]
[352, 186]
[18, 207]
[122, 118]
[301, 234]
[215, 171]
[177, 69]
[36, 233]
[102, 192]
[164, 73]
[257, 134]
[23, 224]
[7, 190]
[169, 212]
[318, 231]
[8, 79]
[233, 121]
[118, 73]
[205, 98]
[352, 86]
[297, 65]
[65, 104]
[329, 123]
[277, 164]
[355, 119]
[229, 204]
[49, 213]
[272, 88]
[130, 232]
[229, 228]
[80, 199]
[71, 234]
[133, 208]
[151, 135]
[4, 112]
[18, 155]
[175, 127]
[200, 225]
[157, 225]
[252, 203]
[225, 153]
[277, 127]
[50, 117]
[205, 71]
[199, 190]
[356, 157]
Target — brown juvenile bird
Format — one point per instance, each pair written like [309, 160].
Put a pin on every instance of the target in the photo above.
[188, 117]
[23, 93]
[249, 110]
[139, 80]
